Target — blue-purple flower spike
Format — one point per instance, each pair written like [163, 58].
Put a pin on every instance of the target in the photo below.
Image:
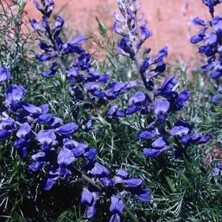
[133, 34]
[160, 102]
[209, 44]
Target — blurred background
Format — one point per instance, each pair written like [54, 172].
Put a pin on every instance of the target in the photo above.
[169, 20]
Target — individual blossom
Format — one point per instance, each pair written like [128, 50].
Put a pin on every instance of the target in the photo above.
[176, 99]
[46, 8]
[182, 134]
[116, 208]
[158, 146]
[14, 96]
[217, 97]
[217, 170]
[4, 74]
[7, 126]
[89, 198]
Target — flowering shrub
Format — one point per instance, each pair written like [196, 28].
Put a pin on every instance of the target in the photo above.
[208, 39]
[84, 142]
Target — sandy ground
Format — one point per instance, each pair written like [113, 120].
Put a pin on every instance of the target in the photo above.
[169, 20]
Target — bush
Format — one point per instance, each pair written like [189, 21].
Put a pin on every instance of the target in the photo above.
[115, 140]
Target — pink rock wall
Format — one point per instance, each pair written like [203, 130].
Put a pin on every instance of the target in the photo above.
[169, 20]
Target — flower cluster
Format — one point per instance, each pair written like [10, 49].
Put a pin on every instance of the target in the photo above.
[87, 87]
[36, 132]
[209, 40]
[55, 152]
[158, 103]
[133, 35]
[116, 188]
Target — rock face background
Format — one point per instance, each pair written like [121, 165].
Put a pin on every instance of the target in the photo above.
[169, 20]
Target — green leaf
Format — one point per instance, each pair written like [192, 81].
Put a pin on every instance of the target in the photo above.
[102, 28]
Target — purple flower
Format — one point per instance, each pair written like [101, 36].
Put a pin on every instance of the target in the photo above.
[92, 86]
[46, 138]
[149, 152]
[14, 95]
[90, 154]
[160, 143]
[48, 183]
[32, 109]
[67, 129]
[161, 55]
[106, 182]
[4, 74]
[46, 8]
[20, 143]
[78, 40]
[143, 195]
[115, 218]
[24, 131]
[37, 5]
[52, 71]
[36, 26]
[4, 134]
[126, 48]
[166, 89]
[99, 170]
[122, 173]
[208, 39]
[46, 56]
[182, 131]
[133, 183]
[200, 22]
[161, 106]
[112, 111]
[148, 134]
[65, 157]
[182, 98]
[55, 122]
[90, 212]
[58, 26]
[138, 98]
[158, 146]
[7, 124]
[179, 131]
[203, 139]
[217, 170]
[39, 160]
[145, 33]
[87, 197]
[45, 118]
[117, 205]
